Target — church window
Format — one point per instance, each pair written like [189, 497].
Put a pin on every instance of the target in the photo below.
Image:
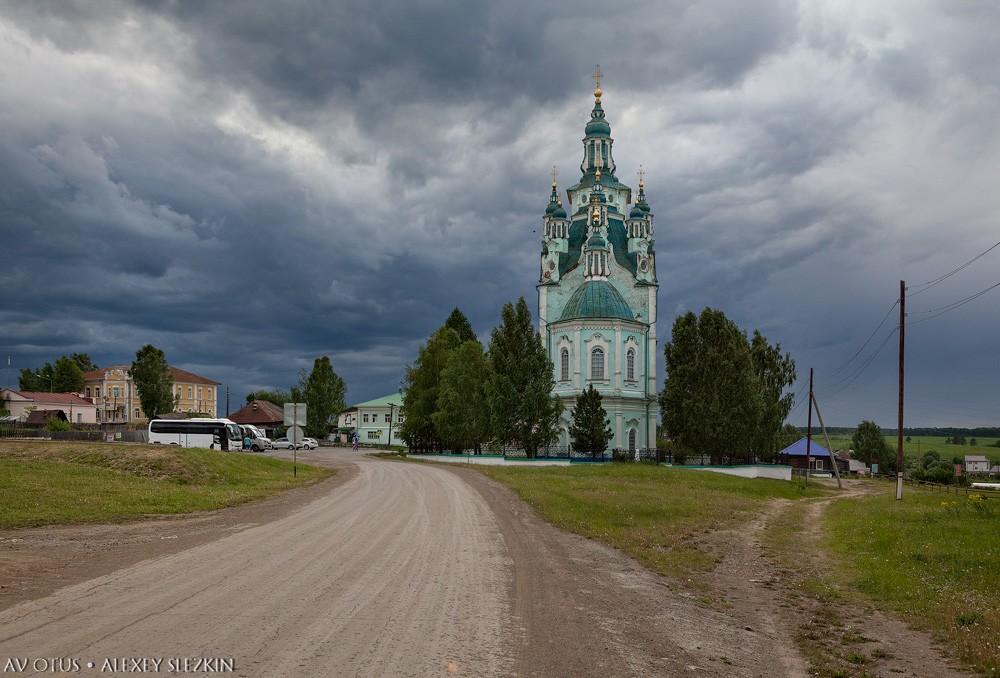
[630, 365]
[632, 440]
[597, 364]
[564, 365]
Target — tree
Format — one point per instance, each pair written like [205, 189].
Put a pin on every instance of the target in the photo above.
[84, 361]
[869, 445]
[523, 410]
[37, 380]
[462, 419]
[774, 373]
[711, 400]
[323, 391]
[278, 398]
[458, 322]
[973, 442]
[67, 377]
[153, 380]
[420, 397]
[590, 430]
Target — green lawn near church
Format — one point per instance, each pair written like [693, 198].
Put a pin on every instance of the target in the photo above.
[652, 513]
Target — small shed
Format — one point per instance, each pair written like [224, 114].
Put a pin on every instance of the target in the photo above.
[40, 417]
[262, 414]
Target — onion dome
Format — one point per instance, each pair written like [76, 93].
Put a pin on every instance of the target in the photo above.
[597, 299]
[598, 126]
[560, 211]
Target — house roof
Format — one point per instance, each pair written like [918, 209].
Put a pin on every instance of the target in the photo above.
[393, 398]
[969, 458]
[258, 412]
[51, 398]
[798, 449]
[42, 416]
[179, 375]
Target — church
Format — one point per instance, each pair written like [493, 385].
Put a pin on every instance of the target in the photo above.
[597, 292]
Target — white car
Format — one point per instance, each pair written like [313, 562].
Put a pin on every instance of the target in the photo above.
[309, 443]
[283, 444]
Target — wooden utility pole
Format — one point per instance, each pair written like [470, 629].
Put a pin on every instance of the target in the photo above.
[826, 436]
[899, 436]
[809, 426]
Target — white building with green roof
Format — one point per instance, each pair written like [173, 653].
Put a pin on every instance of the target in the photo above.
[597, 293]
[375, 422]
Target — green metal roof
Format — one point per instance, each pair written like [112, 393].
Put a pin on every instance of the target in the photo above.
[393, 398]
[597, 299]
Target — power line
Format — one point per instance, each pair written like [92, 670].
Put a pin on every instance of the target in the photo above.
[952, 306]
[931, 283]
[857, 372]
[858, 352]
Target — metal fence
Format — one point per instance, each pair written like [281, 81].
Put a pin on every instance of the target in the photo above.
[86, 435]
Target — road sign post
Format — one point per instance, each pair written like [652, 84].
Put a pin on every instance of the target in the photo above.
[295, 419]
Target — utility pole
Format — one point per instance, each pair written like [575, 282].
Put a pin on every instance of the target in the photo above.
[899, 436]
[809, 426]
[833, 457]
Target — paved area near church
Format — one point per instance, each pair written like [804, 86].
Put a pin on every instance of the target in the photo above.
[397, 569]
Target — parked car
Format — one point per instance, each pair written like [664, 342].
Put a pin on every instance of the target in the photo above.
[309, 443]
[283, 444]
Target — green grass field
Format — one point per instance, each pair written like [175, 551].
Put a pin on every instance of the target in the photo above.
[921, 445]
[649, 512]
[933, 559]
[45, 483]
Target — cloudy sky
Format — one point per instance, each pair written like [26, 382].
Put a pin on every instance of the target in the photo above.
[248, 186]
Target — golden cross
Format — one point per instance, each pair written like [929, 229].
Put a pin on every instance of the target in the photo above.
[642, 173]
[555, 173]
[597, 76]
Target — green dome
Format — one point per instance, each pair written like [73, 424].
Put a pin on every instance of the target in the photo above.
[559, 213]
[597, 299]
[636, 212]
[598, 126]
[597, 242]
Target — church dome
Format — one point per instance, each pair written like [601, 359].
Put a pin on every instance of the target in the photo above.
[560, 212]
[637, 212]
[597, 242]
[598, 126]
[597, 299]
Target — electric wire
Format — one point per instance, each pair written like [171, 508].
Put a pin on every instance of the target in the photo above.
[952, 306]
[859, 370]
[931, 283]
[858, 352]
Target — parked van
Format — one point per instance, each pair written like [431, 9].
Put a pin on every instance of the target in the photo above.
[258, 441]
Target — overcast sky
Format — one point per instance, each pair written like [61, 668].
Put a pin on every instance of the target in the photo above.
[249, 186]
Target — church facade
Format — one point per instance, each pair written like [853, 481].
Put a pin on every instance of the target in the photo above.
[597, 293]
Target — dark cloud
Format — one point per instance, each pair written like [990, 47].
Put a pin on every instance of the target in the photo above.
[251, 186]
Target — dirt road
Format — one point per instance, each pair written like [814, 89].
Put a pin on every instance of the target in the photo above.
[397, 569]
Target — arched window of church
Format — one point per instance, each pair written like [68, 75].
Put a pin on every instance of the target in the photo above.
[597, 363]
[630, 365]
[564, 365]
[632, 440]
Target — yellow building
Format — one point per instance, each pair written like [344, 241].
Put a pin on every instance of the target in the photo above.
[117, 398]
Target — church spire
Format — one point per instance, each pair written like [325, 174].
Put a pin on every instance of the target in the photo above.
[597, 141]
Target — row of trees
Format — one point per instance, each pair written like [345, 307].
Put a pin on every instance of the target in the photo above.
[65, 376]
[724, 394]
[459, 395]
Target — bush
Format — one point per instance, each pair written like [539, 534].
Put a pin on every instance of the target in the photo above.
[57, 424]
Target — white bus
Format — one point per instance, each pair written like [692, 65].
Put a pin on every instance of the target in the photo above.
[215, 434]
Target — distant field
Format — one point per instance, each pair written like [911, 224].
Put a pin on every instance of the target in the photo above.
[921, 445]
[45, 483]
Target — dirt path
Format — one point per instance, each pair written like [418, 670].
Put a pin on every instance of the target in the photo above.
[405, 569]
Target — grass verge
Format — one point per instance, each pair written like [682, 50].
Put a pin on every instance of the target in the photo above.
[650, 512]
[44, 483]
[934, 561]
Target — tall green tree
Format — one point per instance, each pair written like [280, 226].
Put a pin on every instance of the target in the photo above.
[151, 375]
[462, 419]
[519, 391]
[422, 387]
[590, 430]
[67, 377]
[869, 445]
[711, 397]
[37, 380]
[774, 372]
[323, 391]
[84, 361]
[458, 322]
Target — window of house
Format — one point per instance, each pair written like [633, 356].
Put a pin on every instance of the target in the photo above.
[597, 363]
[564, 365]
[97, 391]
[87, 391]
[365, 418]
[190, 392]
[388, 418]
[630, 365]
[135, 413]
[199, 393]
[114, 391]
[373, 435]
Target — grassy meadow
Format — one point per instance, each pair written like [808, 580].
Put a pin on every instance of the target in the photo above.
[649, 512]
[45, 483]
[933, 559]
[921, 445]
